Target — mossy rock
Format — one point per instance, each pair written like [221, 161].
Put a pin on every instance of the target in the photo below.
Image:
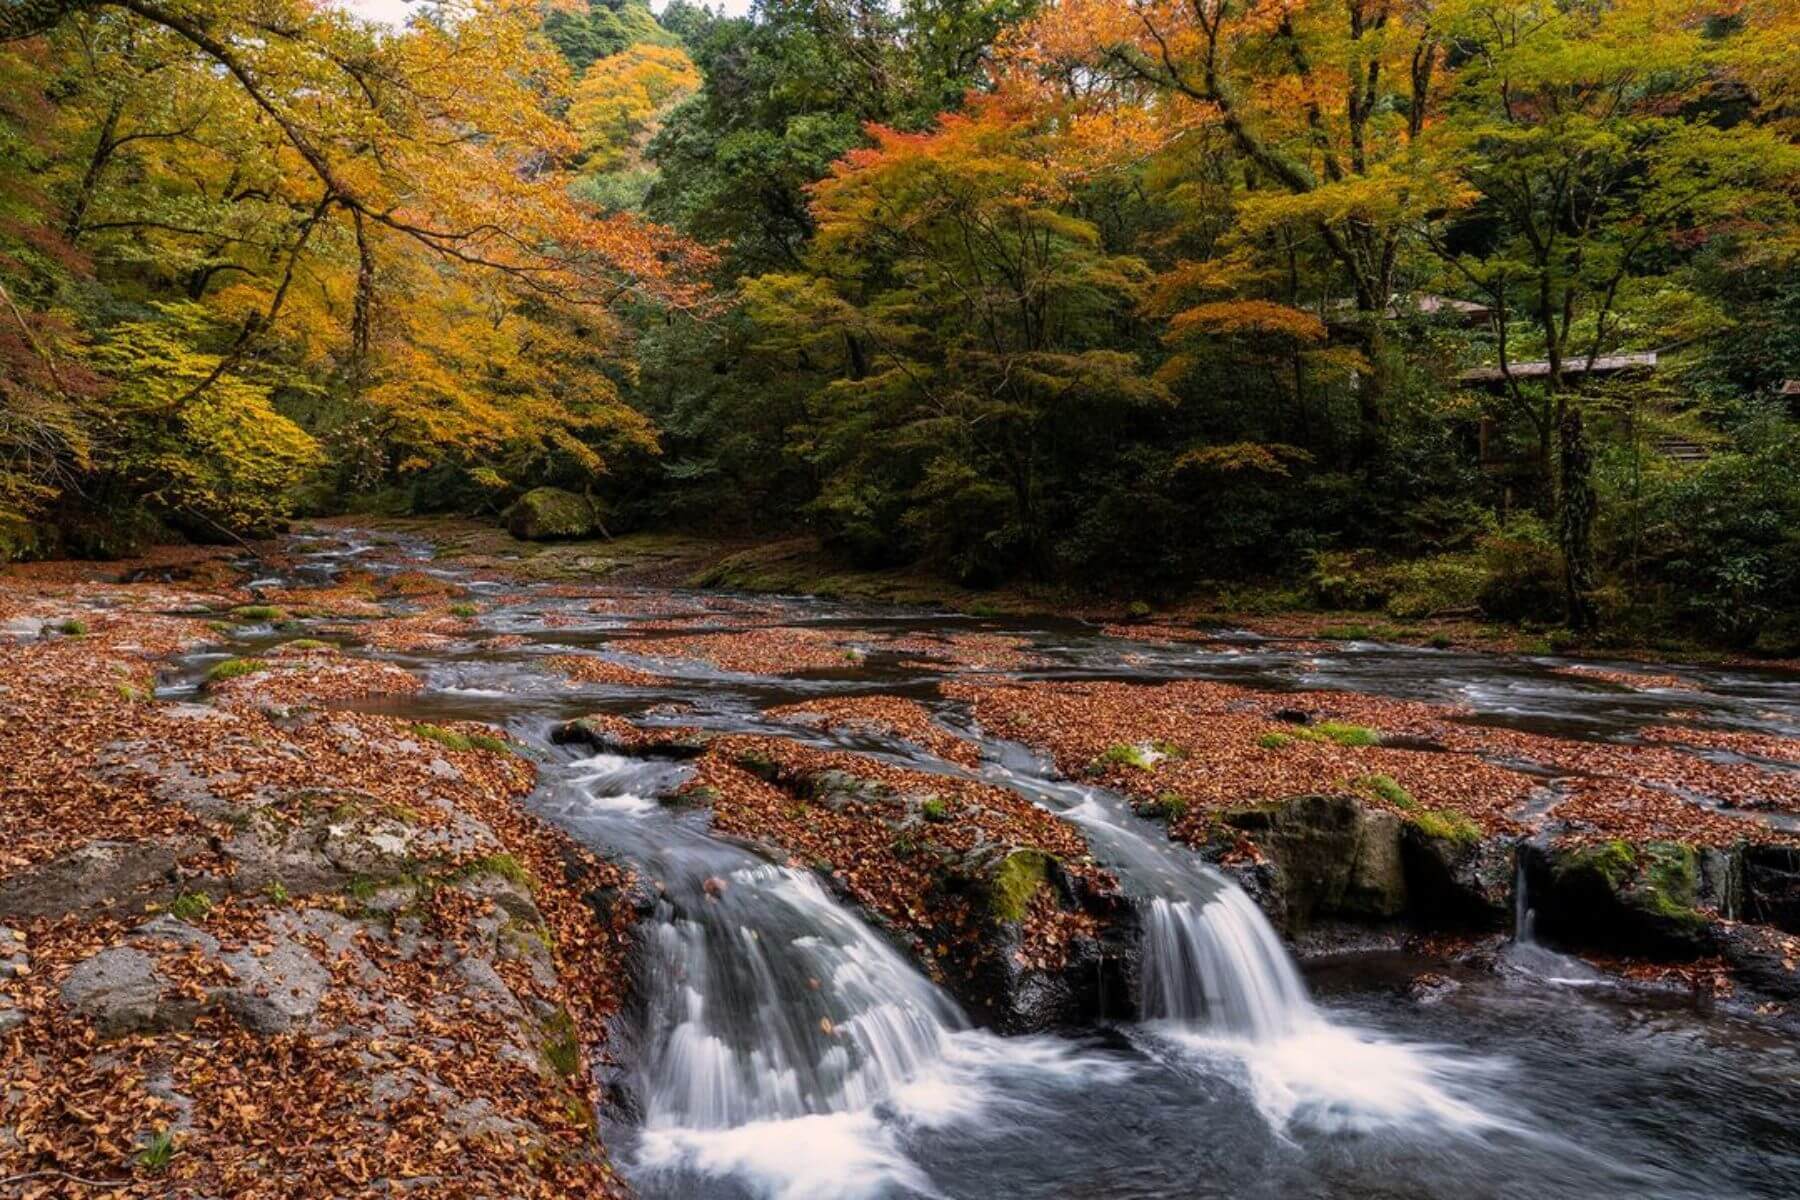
[547, 513]
[1657, 898]
[1015, 881]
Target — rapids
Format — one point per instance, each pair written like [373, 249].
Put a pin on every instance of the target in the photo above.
[781, 1047]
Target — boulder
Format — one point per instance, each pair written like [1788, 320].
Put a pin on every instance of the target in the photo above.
[1334, 859]
[546, 513]
[1772, 886]
[1455, 882]
[121, 991]
[1655, 898]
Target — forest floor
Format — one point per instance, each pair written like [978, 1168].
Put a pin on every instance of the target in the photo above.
[263, 947]
[798, 565]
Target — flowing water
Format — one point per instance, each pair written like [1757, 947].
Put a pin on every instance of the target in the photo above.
[780, 1047]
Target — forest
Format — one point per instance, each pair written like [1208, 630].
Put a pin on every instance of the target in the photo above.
[1447, 306]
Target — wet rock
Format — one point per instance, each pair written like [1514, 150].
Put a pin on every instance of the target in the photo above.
[1658, 898]
[610, 735]
[546, 513]
[1771, 882]
[1764, 959]
[1429, 988]
[1333, 858]
[1013, 985]
[1455, 883]
[277, 990]
[126, 877]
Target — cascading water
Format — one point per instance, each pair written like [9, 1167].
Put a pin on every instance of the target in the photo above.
[1523, 917]
[768, 1002]
[1218, 963]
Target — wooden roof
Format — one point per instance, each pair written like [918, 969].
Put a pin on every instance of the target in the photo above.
[1606, 364]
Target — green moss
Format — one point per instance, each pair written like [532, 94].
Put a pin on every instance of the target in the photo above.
[502, 865]
[1387, 788]
[233, 668]
[562, 1044]
[550, 513]
[191, 906]
[450, 739]
[1347, 633]
[464, 610]
[1613, 861]
[1016, 881]
[1170, 806]
[306, 644]
[74, 628]
[934, 809]
[256, 612]
[1670, 881]
[1275, 741]
[1123, 755]
[1445, 826]
[1137, 610]
[1345, 734]
[278, 893]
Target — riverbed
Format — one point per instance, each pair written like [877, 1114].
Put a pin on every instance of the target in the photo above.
[780, 1045]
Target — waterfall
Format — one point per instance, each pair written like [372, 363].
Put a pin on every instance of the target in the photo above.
[769, 1002]
[1524, 919]
[1219, 963]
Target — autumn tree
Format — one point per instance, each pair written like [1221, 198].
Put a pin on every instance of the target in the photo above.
[318, 186]
[1597, 145]
[961, 316]
[1320, 104]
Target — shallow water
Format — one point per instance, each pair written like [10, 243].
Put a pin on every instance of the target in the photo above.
[780, 1047]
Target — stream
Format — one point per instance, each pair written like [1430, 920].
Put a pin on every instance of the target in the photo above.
[781, 1047]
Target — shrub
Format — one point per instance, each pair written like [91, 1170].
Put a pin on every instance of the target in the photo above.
[1522, 572]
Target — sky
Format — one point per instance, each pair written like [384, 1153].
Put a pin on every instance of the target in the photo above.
[393, 12]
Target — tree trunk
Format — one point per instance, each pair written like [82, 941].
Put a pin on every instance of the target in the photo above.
[1576, 528]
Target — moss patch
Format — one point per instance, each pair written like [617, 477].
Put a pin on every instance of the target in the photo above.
[1016, 881]
[233, 668]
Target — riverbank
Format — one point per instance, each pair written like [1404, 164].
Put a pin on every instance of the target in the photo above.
[256, 946]
[799, 566]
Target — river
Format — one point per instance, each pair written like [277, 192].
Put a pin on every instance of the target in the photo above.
[779, 1046]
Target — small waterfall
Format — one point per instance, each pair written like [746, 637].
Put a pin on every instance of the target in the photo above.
[769, 1002]
[1218, 963]
[1524, 919]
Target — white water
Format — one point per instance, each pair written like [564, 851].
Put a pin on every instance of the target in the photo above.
[772, 1002]
[1218, 964]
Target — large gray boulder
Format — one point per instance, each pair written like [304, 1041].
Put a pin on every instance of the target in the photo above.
[1334, 859]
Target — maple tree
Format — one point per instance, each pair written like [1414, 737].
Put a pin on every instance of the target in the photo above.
[318, 187]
